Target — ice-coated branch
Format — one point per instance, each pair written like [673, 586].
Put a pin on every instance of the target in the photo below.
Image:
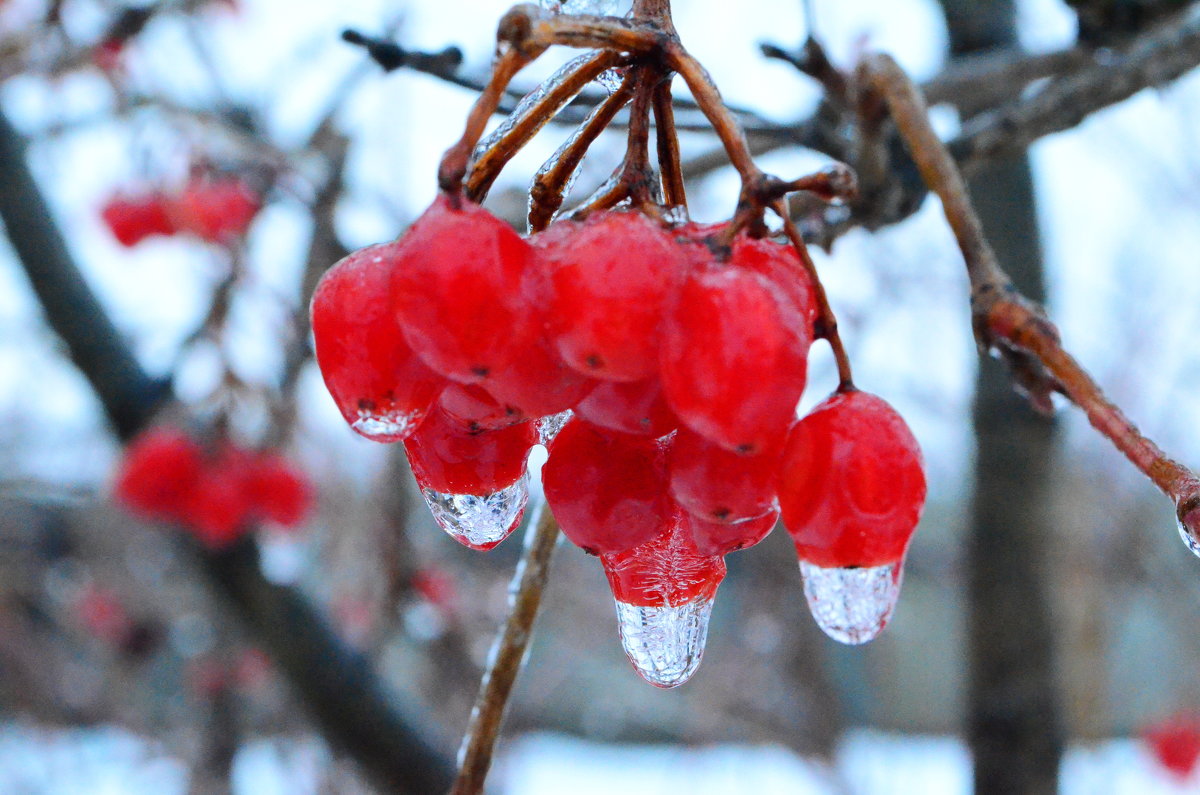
[344, 696]
[507, 655]
[1005, 320]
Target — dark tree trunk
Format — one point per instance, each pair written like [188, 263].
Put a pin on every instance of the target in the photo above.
[1014, 724]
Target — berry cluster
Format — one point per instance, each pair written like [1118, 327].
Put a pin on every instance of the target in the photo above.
[661, 364]
[217, 494]
[214, 209]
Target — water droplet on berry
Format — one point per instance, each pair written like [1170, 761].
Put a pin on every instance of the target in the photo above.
[665, 644]
[852, 605]
[388, 426]
[1191, 542]
[548, 427]
[479, 521]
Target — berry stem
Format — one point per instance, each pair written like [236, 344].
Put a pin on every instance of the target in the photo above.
[674, 192]
[548, 191]
[507, 655]
[526, 123]
[454, 163]
[638, 175]
[1007, 321]
[826, 325]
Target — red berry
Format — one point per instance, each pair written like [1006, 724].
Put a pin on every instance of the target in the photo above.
[1175, 743]
[539, 383]
[435, 586]
[282, 493]
[717, 485]
[667, 570]
[475, 410]
[635, 407]
[381, 387]
[608, 491]
[159, 469]
[457, 291]
[220, 506]
[781, 265]
[852, 483]
[714, 538]
[733, 359]
[217, 209]
[451, 460]
[610, 279]
[133, 219]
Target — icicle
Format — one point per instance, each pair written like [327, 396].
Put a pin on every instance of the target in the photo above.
[665, 644]
[385, 426]
[852, 605]
[1191, 542]
[479, 521]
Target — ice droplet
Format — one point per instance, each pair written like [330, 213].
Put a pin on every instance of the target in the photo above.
[610, 79]
[479, 521]
[665, 644]
[852, 605]
[548, 427]
[386, 426]
[1192, 544]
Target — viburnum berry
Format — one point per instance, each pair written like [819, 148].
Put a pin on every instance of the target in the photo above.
[733, 359]
[667, 570]
[221, 503]
[381, 387]
[280, 491]
[159, 469]
[721, 538]
[132, 219]
[719, 486]
[607, 490]
[451, 460]
[218, 209]
[610, 279]
[474, 408]
[635, 407]
[1175, 743]
[457, 290]
[852, 483]
[538, 382]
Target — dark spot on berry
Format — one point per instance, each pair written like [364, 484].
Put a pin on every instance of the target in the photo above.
[745, 449]
[366, 405]
[591, 551]
[721, 514]
[481, 371]
[595, 362]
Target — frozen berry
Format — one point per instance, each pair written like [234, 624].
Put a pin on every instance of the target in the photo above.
[610, 279]
[733, 359]
[717, 538]
[607, 490]
[451, 460]
[852, 483]
[380, 386]
[457, 291]
[717, 485]
[635, 407]
[666, 570]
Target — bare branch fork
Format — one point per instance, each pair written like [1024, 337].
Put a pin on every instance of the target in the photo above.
[1008, 322]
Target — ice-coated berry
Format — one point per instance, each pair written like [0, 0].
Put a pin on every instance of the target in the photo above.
[610, 279]
[132, 219]
[607, 490]
[852, 483]
[476, 410]
[539, 383]
[733, 359]
[381, 387]
[780, 264]
[716, 538]
[717, 485]
[450, 460]
[666, 570]
[635, 407]
[457, 291]
[159, 469]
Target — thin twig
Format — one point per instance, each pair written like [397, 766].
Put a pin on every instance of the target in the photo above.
[507, 655]
[549, 188]
[667, 143]
[1007, 321]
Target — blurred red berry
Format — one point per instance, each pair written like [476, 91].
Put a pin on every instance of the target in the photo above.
[216, 209]
[1175, 743]
[132, 219]
[281, 492]
[159, 470]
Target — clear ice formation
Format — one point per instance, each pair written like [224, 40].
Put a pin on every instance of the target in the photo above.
[388, 426]
[479, 521]
[851, 605]
[665, 644]
[1192, 544]
[548, 427]
[599, 7]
